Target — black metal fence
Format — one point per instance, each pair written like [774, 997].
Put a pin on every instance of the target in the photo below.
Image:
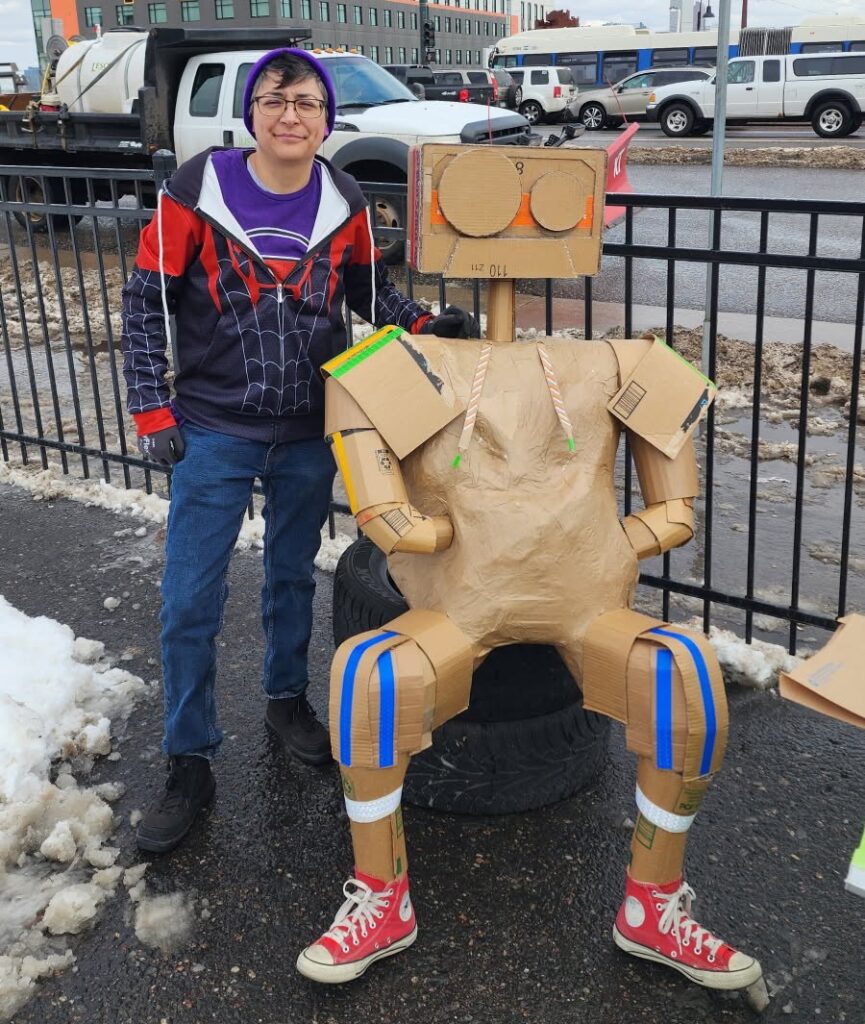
[781, 541]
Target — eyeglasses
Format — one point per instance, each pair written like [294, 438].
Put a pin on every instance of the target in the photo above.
[275, 106]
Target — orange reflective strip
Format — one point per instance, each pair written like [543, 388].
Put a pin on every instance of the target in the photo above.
[589, 215]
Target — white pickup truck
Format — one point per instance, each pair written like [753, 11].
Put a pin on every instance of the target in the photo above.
[826, 90]
[120, 98]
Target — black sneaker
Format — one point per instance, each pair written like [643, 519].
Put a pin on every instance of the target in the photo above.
[189, 788]
[294, 722]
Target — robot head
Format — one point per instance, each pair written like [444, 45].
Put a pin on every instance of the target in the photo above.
[509, 212]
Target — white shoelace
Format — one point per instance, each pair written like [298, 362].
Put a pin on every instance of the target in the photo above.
[360, 912]
[676, 918]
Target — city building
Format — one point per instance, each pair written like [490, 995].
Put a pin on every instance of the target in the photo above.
[388, 31]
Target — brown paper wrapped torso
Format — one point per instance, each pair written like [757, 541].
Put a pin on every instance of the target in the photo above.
[538, 549]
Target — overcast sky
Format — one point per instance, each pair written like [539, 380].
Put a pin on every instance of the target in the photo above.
[17, 44]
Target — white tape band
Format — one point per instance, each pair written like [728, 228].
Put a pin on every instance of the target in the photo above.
[365, 811]
[666, 820]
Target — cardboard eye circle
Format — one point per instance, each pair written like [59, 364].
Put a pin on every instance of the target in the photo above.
[556, 201]
[480, 193]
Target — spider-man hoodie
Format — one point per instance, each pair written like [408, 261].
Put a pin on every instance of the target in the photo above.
[251, 333]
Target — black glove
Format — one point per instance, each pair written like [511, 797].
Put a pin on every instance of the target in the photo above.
[165, 446]
[453, 323]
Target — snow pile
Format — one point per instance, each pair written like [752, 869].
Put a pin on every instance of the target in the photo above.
[51, 483]
[756, 664]
[58, 695]
[163, 921]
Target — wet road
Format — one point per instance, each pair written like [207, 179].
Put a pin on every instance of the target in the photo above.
[515, 913]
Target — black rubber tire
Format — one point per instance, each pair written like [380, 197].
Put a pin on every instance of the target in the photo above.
[832, 120]
[516, 747]
[677, 120]
[594, 117]
[533, 112]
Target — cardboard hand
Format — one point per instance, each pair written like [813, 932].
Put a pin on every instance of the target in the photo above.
[453, 323]
[400, 527]
[163, 446]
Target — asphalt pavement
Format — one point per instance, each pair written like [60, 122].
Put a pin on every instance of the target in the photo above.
[515, 912]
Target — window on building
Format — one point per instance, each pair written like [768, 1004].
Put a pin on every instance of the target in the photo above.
[388, 18]
[402, 55]
[478, 27]
[373, 16]
[458, 25]
[306, 9]
[449, 57]
[358, 14]
[224, 9]
[438, 23]
[388, 55]
[285, 8]
[447, 24]
[486, 28]
[438, 56]
[190, 10]
[341, 13]
[125, 14]
[259, 8]
[373, 52]
[92, 16]
[477, 56]
[414, 19]
[206, 86]
[415, 55]
[584, 66]
[323, 10]
[400, 19]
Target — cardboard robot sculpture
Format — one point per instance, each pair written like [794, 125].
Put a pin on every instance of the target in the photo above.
[485, 471]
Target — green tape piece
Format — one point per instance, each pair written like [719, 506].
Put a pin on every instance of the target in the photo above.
[457, 460]
[682, 359]
[859, 855]
[349, 364]
[572, 446]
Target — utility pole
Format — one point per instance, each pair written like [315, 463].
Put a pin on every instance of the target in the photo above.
[744, 13]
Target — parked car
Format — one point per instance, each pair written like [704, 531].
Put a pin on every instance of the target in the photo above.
[465, 85]
[626, 100]
[547, 92]
[510, 94]
[826, 90]
[417, 77]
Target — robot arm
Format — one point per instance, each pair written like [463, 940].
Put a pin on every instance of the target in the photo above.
[374, 483]
[669, 487]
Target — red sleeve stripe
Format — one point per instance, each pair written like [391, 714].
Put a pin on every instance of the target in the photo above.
[154, 419]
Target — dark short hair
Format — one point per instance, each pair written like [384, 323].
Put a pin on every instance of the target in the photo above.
[290, 70]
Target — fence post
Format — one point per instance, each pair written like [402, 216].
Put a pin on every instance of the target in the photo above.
[164, 165]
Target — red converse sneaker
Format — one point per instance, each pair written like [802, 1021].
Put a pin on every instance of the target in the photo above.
[654, 923]
[376, 920]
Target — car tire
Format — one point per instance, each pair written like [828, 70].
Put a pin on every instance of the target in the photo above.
[533, 112]
[516, 747]
[677, 120]
[594, 117]
[701, 127]
[832, 120]
[518, 97]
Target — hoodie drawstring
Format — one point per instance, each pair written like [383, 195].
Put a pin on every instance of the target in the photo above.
[371, 267]
[162, 287]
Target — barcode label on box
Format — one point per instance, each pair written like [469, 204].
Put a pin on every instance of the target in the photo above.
[631, 398]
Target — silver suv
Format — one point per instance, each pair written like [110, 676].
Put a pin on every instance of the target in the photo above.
[627, 99]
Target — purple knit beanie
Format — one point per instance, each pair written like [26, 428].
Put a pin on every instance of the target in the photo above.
[287, 51]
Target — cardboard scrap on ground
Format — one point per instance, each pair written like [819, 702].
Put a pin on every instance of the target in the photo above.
[832, 681]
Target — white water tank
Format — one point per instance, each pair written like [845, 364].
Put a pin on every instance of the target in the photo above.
[118, 57]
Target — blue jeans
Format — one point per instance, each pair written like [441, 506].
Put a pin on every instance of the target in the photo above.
[211, 488]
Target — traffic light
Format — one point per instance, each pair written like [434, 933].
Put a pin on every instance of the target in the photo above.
[428, 37]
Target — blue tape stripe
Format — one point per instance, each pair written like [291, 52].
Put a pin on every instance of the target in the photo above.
[387, 689]
[347, 697]
[705, 691]
[664, 708]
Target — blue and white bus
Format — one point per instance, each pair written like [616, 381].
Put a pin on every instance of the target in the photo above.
[597, 56]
